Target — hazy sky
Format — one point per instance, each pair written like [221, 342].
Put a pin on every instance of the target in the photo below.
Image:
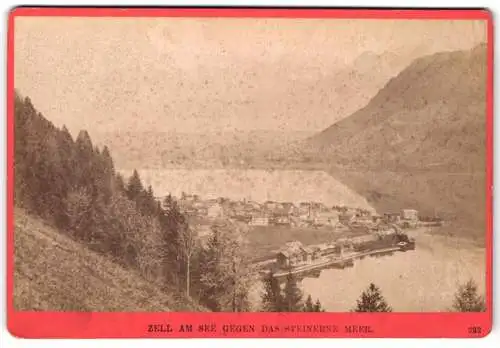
[185, 75]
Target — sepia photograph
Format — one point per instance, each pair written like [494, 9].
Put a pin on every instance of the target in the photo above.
[212, 164]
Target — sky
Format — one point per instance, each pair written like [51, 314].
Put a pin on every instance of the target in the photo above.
[213, 74]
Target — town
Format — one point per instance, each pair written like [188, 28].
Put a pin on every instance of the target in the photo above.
[345, 233]
[202, 212]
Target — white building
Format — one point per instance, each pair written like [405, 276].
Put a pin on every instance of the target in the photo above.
[259, 221]
[409, 214]
[215, 211]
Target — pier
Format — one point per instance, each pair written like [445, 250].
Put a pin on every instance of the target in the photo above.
[326, 262]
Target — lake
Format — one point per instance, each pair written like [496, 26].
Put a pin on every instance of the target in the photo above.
[254, 184]
[424, 279]
[421, 280]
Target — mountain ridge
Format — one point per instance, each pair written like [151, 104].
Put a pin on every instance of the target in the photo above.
[419, 142]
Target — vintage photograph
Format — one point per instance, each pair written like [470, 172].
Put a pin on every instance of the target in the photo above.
[170, 164]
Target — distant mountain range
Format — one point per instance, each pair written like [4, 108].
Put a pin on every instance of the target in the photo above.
[331, 95]
[420, 142]
[413, 139]
[162, 150]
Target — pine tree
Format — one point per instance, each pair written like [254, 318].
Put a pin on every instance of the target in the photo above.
[272, 298]
[371, 300]
[309, 306]
[224, 272]
[467, 299]
[168, 203]
[134, 186]
[172, 222]
[119, 184]
[107, 174]
[150, 202]
[108, 160]
[84, 165]
[74, 184]
[292, 294]
[317, 306]
[187, 245]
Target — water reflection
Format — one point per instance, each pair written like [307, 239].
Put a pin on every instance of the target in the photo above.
[424, 279]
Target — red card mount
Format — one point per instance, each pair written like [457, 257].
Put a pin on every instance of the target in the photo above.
[66, 281]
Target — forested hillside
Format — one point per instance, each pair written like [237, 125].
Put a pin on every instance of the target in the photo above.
[71, 186]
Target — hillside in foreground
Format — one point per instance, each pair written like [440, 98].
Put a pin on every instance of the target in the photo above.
[420, 142]
[54, 273]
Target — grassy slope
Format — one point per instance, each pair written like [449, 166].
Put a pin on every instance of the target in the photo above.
[54, 273]
[420, 142]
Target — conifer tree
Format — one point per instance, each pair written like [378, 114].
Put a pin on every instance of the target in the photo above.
[371, 300]
[467, 299]
[224, 272]
[74, 184]
[172, 221]
[309, 306]
[119, 184]
[272, 298]
[134, 186]
[292, 294]
[317, 307]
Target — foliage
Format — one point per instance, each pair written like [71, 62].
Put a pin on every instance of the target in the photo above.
[309, 306]
[467, 299]
[187, 246]
[225, 279]
[292, 295]
[272, 298]
[371, 300]
[73, 185]
[317, 307]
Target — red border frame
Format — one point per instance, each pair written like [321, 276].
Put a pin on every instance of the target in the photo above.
[135, 325]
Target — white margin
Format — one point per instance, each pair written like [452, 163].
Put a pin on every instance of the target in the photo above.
[7, 340]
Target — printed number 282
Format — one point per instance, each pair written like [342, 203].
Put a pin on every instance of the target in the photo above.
[474, 330]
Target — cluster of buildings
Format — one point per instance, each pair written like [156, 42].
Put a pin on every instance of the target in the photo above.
[305, 214]
[259, 214]
[202, 212]
[295, 254]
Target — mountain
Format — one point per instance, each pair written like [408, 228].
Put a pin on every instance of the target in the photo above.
[420, 142]
[161, 150]
[52, 272]
[307, 90]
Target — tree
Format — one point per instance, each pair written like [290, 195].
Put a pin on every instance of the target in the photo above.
[292, 294]
[74, 185]
[78, 210]
[371, 300]
[309, 306]
[272, 298]
[119, 184]
[224, 272]
[168, 202]
[467, 299]
[150, 202]
[83, 159]
[317, 307]
[187, 244]
[172, 222]
[134, 186]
